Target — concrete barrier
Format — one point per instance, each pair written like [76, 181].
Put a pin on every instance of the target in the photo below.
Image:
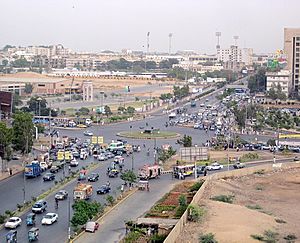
[178, 228]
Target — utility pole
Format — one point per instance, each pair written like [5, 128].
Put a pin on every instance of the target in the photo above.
[69, 219]
[170, 42]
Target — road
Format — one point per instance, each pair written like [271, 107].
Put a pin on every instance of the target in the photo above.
[13, 187]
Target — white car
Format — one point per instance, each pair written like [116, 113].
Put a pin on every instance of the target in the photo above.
[214, 166]
[74, 163]
[50, 218]
[102, 157]
[13, 223]
[83, 155]
[88, 133]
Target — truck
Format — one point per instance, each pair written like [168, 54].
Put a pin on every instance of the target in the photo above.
[33, 169]
[82, 192]
[149, 172]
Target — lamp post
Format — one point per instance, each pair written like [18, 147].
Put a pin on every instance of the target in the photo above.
[69, 219]
[39, 102]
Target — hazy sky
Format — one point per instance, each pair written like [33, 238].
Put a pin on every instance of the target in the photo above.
[95, 25]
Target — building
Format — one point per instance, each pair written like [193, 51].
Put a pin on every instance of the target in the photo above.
[282, 78]
[292, 51]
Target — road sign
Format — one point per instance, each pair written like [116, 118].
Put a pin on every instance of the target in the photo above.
[194, 153]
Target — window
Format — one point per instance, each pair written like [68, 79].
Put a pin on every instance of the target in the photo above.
[297, 44]
[298, 38]
[41, 85]
[297, 54]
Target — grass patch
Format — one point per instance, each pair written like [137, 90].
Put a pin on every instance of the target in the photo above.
[223, 198]
[280, 221]
[254, 207]
[195, 213]
[140, 135]
[249, 157]
[268, 236]
[207, 238]
[196, 186]
[259, 172]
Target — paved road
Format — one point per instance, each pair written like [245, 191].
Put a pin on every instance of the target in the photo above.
[13, 187]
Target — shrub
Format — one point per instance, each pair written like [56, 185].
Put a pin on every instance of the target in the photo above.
[132, 236]
[259, 188]
[207, 238]
[270, 236]
[280, 221]
[110, 199]
[196, 186]
[290, 238]
[180, 210]
[2, 219]
[223, 198]
[255, 207]
[258, 237]
[195, 212]
[182, 200]
[9, 213]
[156, 238]
[259, 172]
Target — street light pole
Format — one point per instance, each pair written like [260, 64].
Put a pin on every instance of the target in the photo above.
[69, 219]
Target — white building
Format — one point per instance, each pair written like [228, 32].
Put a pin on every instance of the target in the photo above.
[236, 55]
[283, 78]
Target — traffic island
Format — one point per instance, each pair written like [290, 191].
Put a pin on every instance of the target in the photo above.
[153, 134]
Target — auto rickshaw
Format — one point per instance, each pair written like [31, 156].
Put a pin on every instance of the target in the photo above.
[33, 234]
[11, 236]
[82, 175]
[143, 185]
[30, 219]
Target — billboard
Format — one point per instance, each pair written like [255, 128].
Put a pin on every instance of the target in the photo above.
[191, 154]
[6, 101]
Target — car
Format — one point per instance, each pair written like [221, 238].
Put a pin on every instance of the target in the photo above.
[93, 177]
[91, 226]
[200, 169]
[61, 195]
[54, 169]
[113, 173]
[102, 157]
[214, 166]
[75, 154]
[238, 165]
[39, 207]
[103, 189]
[13, 223]
[81, 126]
[88, 133]
[50, 218]
[83, 155]
[74, 163]
[49, 177]
[16, 157]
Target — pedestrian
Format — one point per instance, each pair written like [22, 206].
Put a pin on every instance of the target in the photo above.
[122, 188]
[108, 183]
[69, 169]
[10, 171]
[205, 172]
[56, 203]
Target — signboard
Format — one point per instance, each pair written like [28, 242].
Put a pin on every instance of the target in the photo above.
[293, 135]
[100, 140]
[94, 140]
[192, 154]
[5, 101]
[60, 155]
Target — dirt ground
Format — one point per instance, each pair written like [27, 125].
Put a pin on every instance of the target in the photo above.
[275, 196]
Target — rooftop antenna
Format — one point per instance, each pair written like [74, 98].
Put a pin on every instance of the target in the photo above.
[218, 35]
[170, 42]
[148, 36]
[235, 39]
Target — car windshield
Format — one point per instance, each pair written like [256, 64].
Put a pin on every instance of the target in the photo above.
[37, 205]
[12, 220]
[48, 216]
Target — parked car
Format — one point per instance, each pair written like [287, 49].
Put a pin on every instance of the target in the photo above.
[214, 166]
[50, 218]
[238, 165]
[49, 177]
[88, 133]
[91, 226]
[61, 195]
[93, 177]
[103, 189]
[81, 126]
[13, 222]
[54, 169]
[39, 207]
[102, 157]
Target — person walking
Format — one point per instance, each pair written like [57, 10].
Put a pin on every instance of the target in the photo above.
[56, 203]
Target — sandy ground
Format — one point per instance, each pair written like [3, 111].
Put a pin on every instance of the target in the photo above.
[276, 193]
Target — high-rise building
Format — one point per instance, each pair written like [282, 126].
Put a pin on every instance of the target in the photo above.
[292, 51]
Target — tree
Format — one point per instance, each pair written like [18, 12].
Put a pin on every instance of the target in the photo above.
[130, 110]
[168, 64]
[21, 63]
[275, 92]
[186, 141]
[22, 132]
[84, 211]
[6, 135]
[28, 88]
[129, 176]
[121, 109]
[166, 96]
[4, 62]
[107, 110]
[83, 111]
[181, 92]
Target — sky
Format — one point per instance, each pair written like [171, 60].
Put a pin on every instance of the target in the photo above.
[96, 25]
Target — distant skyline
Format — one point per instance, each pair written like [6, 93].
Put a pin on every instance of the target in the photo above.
[97, 25]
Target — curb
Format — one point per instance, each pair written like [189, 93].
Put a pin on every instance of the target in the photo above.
[106, 213]
[147, 138]
[12, 176]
